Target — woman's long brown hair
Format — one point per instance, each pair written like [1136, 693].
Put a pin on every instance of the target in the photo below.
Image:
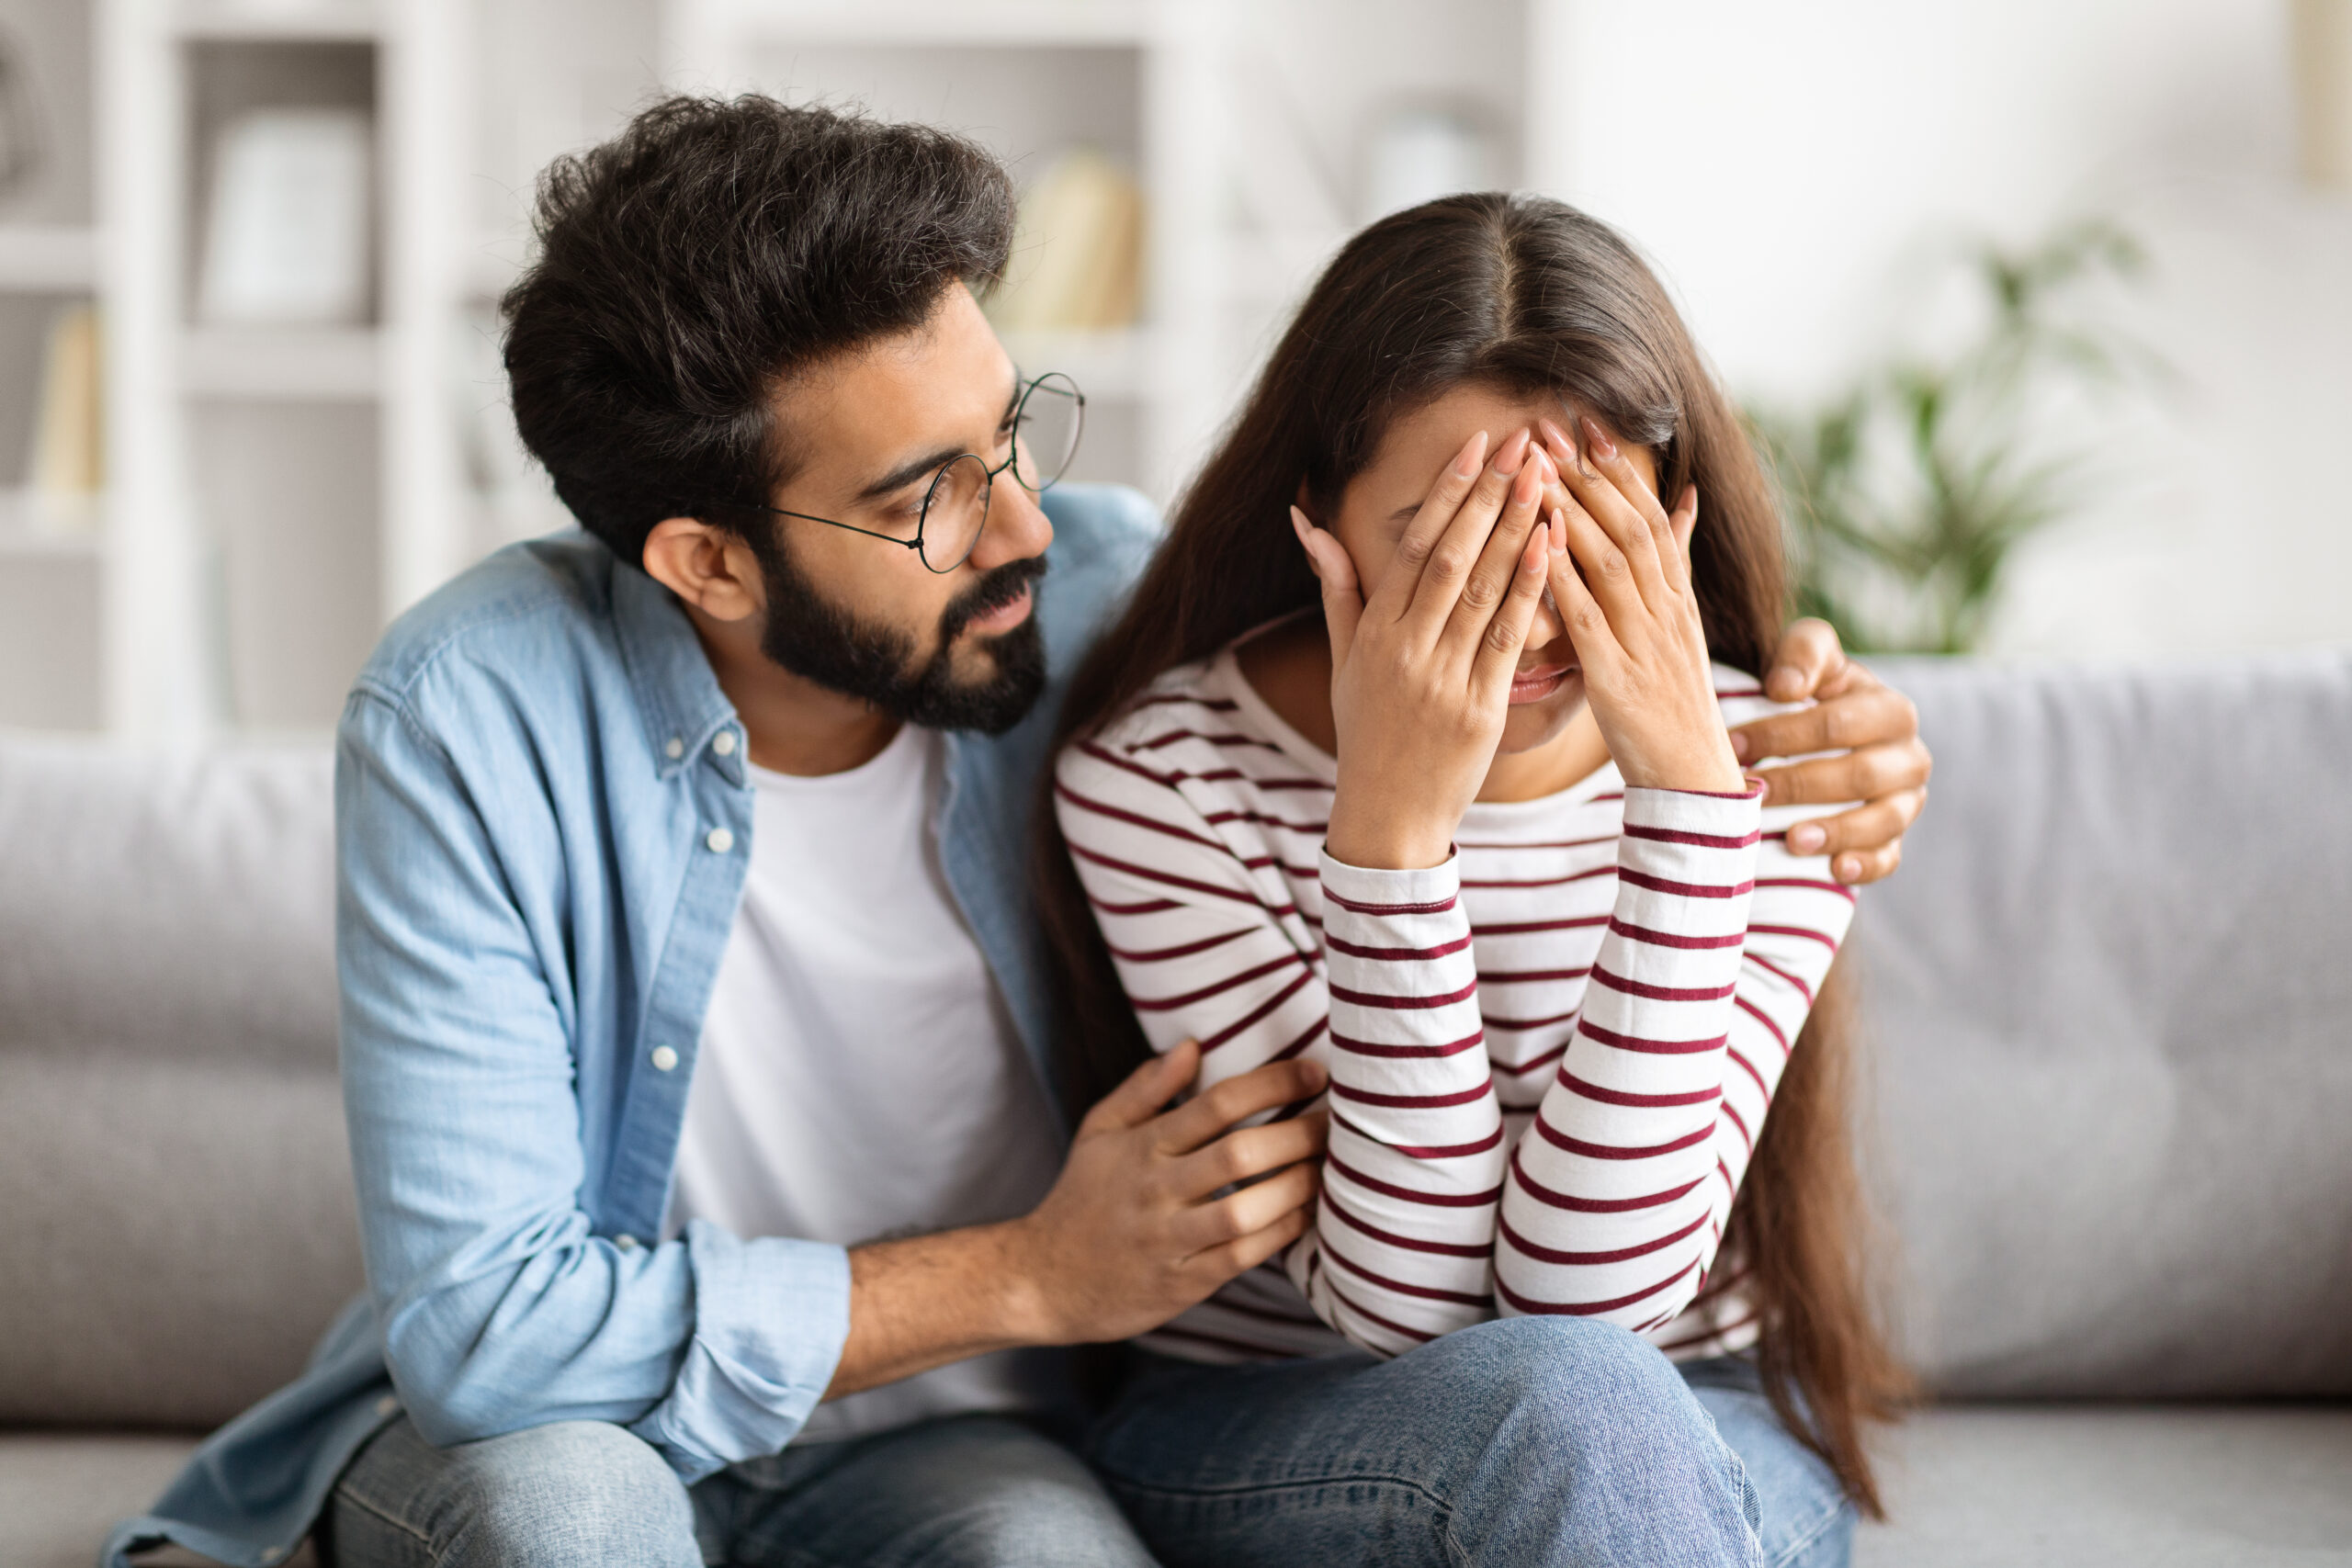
[1533, 297]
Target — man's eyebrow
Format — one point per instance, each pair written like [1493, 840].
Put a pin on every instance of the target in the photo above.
[914, 469]
[908, 473]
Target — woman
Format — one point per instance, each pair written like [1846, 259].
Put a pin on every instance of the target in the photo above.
[1476, 839]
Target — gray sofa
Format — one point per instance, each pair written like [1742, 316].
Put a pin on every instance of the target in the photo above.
[2110, 1123]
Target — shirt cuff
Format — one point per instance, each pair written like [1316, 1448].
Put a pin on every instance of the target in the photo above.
[771, 1317]
[1369, 890]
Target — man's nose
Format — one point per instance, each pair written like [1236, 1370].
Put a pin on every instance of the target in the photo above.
[1017, 527]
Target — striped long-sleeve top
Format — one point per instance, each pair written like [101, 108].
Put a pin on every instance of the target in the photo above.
[1550, 1057]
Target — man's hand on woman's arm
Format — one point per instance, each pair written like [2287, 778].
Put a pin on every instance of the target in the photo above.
[1138, 1227]
[1883, 763]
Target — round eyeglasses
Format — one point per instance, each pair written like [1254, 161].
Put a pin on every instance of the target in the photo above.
[1048, 419]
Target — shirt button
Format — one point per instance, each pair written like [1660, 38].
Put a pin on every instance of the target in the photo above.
[720, 841]
[674, 749]
[723, 743]
[273, 1554]
[664, 1058]
[387, 1404]
[625, 1242]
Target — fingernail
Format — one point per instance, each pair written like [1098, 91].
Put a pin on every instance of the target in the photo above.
[1741, 745]
[1299, 524]
[1511, 453]
[1529, 485]
[1554, 436]
[1474, 451]
[1805, 838]
[1559, 531]
[1596, 440]
[1849, 868]
[1783, 682]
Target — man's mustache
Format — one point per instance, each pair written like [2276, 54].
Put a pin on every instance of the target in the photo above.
[998, 588]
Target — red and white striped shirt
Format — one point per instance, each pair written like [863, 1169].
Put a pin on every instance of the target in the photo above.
[1550, 1057]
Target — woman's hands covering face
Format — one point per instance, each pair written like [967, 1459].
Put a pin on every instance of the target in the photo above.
[1422, 670]
[1621, 576]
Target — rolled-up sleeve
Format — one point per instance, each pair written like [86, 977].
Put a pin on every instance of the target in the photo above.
[465, 969]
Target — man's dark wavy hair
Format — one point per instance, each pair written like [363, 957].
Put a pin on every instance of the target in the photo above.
[695, 262]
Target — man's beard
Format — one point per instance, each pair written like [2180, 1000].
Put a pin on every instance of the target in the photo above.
[823, 642]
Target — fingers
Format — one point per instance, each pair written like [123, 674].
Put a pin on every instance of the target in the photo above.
[1444, 503]
[1199, 1120]
[1248, 1211]
[1146, 1091]
[1603, 482]
[1808, 656]
[1488, 593]
[1860, 868]
[1685, 522]
[1875, 715]
[1336, 570]
[1446, 571]
[1871, 826]
[1218, 1264]
[1248, 1153]
[1605, 571]
[1580, 613]
[1506, 634]
[1868, 772]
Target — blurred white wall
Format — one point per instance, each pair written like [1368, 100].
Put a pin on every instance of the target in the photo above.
[1792, 168]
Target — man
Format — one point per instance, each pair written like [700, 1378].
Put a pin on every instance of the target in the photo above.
[683, 942]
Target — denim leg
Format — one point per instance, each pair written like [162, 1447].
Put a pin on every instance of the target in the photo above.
[1519, 1442]
[968, 1492]
[574, 1495]
[1806, 1521]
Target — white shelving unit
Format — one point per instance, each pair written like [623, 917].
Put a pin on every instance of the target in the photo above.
[1141, 79]
[273, 495]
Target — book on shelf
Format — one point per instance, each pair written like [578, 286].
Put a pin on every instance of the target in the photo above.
[67, 464]
[1077, 263]
[287, 228]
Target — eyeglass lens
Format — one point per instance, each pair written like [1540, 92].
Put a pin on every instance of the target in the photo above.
[1046, 431]
[954, 511]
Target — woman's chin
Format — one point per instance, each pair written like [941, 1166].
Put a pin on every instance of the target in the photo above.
[1529, 724]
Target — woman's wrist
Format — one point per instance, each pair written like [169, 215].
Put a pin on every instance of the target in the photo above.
[1381, 840]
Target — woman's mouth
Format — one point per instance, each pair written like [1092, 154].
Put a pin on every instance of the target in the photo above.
[1534, 686]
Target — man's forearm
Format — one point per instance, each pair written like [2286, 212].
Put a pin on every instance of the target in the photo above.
[929, 1300]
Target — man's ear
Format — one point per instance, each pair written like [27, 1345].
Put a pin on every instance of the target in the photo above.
[710, 568]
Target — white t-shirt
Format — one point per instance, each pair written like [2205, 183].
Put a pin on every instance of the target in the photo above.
[858, 1076]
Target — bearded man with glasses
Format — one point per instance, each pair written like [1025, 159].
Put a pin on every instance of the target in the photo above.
[716, 1203]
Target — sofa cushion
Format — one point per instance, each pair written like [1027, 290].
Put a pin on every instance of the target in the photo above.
[177, 1234]
[2085, 1486]
[180, 904]
[2113, 1016]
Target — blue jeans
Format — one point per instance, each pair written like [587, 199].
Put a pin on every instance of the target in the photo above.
[1527, 1442]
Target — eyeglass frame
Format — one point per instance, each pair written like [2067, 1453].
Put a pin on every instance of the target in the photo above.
[1028, 385]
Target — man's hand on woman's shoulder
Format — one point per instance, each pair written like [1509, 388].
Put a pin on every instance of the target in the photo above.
[1883, 762]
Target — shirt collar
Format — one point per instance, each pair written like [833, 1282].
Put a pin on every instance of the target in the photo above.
[676, 694]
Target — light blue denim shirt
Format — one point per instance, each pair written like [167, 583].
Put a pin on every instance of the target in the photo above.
[541, 851]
